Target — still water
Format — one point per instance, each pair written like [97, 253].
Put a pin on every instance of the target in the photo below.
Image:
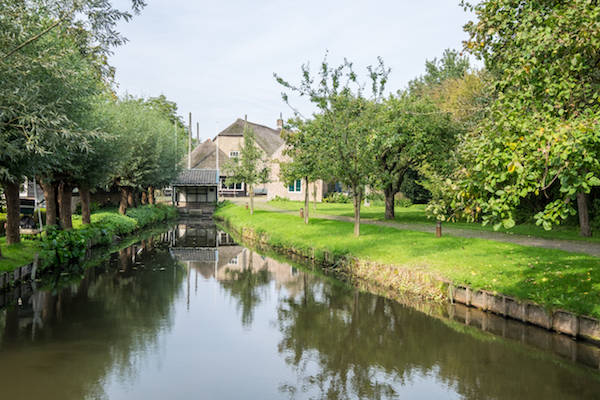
[192, 315]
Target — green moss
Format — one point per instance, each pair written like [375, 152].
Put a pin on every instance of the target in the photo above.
[552, 278]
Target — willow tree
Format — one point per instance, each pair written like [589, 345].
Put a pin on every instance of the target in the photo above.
[343, 122]
[250, 167]
[542, 137]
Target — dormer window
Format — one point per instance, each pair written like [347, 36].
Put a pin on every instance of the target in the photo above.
[234, 154]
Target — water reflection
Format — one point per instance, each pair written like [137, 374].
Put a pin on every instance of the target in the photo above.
[191, 314]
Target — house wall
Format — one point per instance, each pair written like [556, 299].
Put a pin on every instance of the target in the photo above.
[182, 196]
[276, 187]
[230, 143]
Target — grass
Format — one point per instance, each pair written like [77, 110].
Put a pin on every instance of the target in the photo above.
[552, 278]
[415, 214]
[17, 255]
[21, 254]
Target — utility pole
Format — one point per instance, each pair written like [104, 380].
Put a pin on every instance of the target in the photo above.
[198, 131]
[190, 143]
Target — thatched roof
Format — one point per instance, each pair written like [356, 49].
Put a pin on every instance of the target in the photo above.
[267, 138]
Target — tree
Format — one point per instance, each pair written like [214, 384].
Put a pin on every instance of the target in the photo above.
[302, 148]
[411, 129]
[542, 134]
[344, 121]
[250, 167]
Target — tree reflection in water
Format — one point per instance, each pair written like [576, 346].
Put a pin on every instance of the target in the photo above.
[100, 325]
[345, 344]
[244, 286]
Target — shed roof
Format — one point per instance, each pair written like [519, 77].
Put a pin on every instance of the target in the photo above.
[196, 177]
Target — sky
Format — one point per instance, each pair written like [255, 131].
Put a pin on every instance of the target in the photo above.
[216, 59]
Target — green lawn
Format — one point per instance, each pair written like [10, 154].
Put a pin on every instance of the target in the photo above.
[416, 214]
[552, 278]
[18, 254]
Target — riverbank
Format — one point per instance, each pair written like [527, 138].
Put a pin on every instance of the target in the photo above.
[106, 226]
[418, 262]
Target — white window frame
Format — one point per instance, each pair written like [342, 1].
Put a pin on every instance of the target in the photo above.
[294, 187]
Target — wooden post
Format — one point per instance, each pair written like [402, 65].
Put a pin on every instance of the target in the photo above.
[190, 143]
[438, 229]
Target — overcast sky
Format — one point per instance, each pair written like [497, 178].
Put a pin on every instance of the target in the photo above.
[216, 59]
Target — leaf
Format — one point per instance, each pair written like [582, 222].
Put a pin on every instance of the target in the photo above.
[508, 223]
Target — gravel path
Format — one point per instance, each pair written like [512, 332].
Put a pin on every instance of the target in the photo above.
[572, 246]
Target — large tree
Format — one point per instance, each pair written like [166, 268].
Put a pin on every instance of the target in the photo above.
[542, 137]
[344, 121]
[410, 129]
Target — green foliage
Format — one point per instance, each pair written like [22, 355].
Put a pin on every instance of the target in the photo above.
[413, 188]
[151, 214]
[403, 203]
[336, 197]
[63, 249]
[542, 134]
[94, 207]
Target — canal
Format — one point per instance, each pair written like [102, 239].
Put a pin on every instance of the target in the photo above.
[190, 314]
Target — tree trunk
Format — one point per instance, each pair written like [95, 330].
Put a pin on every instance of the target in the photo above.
[306, 201]
[130, 199]
[584, 215]
[251, 193]
[390, 212]
[84, 195]
[123, 202]
[65, 192]
[357, 201]
[315, 196]
[13, 212]
[50, 197]
[144, 200]
[151, 199]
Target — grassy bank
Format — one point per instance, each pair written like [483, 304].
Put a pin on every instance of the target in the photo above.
[552, 278]
[415, 214]
[105, 225]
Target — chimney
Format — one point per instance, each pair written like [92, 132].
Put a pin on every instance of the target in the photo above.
[280, 122]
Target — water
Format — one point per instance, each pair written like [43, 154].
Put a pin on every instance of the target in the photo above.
[192, 315]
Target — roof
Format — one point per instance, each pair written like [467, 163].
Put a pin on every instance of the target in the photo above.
[196, 177]
[267, 138]
[203, 156]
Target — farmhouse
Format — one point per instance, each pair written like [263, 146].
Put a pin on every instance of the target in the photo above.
[229, 143]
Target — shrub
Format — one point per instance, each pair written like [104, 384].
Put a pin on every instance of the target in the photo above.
[403, 202]
[63, 249]
[278, 198]
[337, 197]
[151, 214]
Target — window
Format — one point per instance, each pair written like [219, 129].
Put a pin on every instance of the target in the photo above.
[234, 154]
[233, 186]
[295, 186]
[233, 261]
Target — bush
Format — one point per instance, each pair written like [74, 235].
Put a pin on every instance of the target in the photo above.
[116, 223]
[277, 198]
[412, 188]
[151, 214]
[337, 197]
[63, 249]
[403, 202]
